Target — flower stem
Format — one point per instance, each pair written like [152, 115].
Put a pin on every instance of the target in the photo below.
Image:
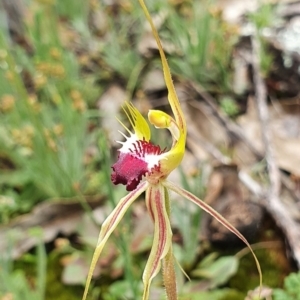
[169, 275]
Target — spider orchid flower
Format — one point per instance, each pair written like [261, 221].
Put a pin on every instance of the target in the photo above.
[144, 167]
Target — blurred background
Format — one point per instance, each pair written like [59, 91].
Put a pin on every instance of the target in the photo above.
[66, 68]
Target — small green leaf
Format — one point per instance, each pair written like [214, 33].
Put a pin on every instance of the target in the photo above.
[292, 284]
[208, 260]
[219, 271]
[291, 288]
[279, 294]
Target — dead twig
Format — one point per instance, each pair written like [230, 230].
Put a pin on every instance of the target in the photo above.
[232, 128]
[269, 198]
[195, 139]
[273, 203]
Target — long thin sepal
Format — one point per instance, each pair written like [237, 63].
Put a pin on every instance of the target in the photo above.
[162, 235]
[108, 227]
[215, 215]
[173, 99]
[178, 130]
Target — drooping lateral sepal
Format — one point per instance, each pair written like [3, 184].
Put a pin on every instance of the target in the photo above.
[207, 208]
[108, 227]
[155, 199]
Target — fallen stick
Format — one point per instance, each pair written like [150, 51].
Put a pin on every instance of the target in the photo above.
[272, 202]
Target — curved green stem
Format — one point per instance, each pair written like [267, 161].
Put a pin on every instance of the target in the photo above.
[168, 269]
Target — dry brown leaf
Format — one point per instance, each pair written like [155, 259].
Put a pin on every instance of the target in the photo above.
[53, 217]
[154, 81]
[285, 126]
[230, 198]
[203, 125]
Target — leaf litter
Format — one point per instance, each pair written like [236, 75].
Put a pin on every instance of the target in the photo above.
[209, 141]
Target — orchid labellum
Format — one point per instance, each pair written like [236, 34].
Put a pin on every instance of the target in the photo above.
[144, 167]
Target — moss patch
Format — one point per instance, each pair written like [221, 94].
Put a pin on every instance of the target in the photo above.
[274, 267]
[55, 289]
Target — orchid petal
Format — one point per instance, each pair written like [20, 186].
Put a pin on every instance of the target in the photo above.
[109, 225]
[180, 191]
[162, 240]
[137, 121]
